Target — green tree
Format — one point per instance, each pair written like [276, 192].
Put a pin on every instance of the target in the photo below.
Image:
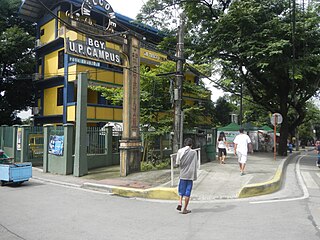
[267, 46]
[16, 62]
[310, 124]
[156, 99]
[223, 109]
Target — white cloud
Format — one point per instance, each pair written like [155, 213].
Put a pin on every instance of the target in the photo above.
[127, 8]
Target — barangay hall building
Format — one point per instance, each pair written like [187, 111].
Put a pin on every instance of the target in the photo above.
[75, 36]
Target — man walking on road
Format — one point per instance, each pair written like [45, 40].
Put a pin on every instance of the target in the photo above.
[241, 143]
[188, 162]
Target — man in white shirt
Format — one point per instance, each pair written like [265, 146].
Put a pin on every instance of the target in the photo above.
[241, 144]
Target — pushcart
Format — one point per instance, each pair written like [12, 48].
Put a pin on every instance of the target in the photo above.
[11, 172]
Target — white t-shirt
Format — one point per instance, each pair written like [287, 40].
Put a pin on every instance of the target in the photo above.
[242, 140]
[221, 144]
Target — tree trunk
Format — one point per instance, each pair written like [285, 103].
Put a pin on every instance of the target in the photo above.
[284, 130]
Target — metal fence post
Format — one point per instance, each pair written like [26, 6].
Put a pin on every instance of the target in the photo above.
[15, 141]
[68, 147]
[46, 135]
[24, 142]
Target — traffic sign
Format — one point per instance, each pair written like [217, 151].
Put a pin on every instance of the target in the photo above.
[276, 118]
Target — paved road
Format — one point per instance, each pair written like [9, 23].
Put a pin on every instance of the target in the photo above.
[40, 210]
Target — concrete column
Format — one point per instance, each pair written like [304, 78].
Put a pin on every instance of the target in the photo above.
[68, 148]
[130, 145]
[80, 158]
[3, 127]
[46, 135]
[24, 142]
[14, 141]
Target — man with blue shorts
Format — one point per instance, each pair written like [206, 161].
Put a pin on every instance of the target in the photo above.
[188, 162]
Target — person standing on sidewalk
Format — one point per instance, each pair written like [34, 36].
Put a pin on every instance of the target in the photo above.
[317, 148]
[188, 162]
[222, 147]
[241, 144]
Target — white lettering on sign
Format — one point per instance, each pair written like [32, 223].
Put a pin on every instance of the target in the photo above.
[95, 49]
[87, 5]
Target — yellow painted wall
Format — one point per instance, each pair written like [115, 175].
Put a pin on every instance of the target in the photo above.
[50, 102]
[51, 65]
[118, 79]
[117, 114]
[72, 70]
[91, 112]
[71, 116]
[49, 31]
[104, 113]
[95, 74]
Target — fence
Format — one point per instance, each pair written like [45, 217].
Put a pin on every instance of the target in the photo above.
[96, 140]
[35, 144]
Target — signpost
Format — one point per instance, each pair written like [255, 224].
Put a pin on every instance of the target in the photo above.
[275, 119]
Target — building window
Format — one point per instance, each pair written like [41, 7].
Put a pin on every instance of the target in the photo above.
[60, 59]
[60, 96]
[42, 32]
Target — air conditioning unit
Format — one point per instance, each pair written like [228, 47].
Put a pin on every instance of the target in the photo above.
[37, 76]
[74, 23]
[35, 111]
[61, 31]
[38, 43]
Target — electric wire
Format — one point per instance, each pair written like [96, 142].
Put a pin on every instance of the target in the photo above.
[77, 29]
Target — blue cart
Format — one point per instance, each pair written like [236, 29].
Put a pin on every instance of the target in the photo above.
[15, 172]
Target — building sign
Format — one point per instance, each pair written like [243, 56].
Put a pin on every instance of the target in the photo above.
[87, 6]
[84, 61]
[153, 56]
[93, 49]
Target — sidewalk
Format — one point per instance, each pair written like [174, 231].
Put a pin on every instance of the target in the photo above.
[215, 181]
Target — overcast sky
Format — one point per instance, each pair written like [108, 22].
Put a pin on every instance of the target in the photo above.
[129, 8]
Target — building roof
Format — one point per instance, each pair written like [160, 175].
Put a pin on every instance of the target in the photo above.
[231, 127]
[33, 10]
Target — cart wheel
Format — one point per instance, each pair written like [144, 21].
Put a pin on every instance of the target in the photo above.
[19, 183]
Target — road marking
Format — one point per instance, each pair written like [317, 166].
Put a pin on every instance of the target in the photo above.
[68, 185]
[301, 183]
[309, 180]
[318, 174]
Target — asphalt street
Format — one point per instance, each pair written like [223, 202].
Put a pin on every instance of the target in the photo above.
[43, 210]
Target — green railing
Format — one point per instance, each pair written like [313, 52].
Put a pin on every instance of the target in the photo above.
[96, 140]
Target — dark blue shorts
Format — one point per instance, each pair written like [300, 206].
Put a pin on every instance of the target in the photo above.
[185, 187]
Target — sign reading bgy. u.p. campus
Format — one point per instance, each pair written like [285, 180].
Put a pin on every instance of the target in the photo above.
[93, 49]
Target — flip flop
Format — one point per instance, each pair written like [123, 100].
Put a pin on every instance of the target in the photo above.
[186, 211]
[179, 207]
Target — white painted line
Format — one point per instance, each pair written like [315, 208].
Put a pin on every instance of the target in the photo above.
[69, 185]
[318, 174]
[57, 182]
[309, 180]
[301, 183]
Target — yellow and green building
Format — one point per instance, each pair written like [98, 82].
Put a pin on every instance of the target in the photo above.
[76, 36]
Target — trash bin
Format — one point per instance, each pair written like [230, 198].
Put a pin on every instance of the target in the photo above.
[211, 152]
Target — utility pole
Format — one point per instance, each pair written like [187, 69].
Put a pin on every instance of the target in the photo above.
[177, 137]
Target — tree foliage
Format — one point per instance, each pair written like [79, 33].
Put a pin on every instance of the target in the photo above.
[267, 46]
[16, 62]
[156, 99]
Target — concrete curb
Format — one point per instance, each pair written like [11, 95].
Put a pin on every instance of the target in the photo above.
[161, 193]
[257, 189]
